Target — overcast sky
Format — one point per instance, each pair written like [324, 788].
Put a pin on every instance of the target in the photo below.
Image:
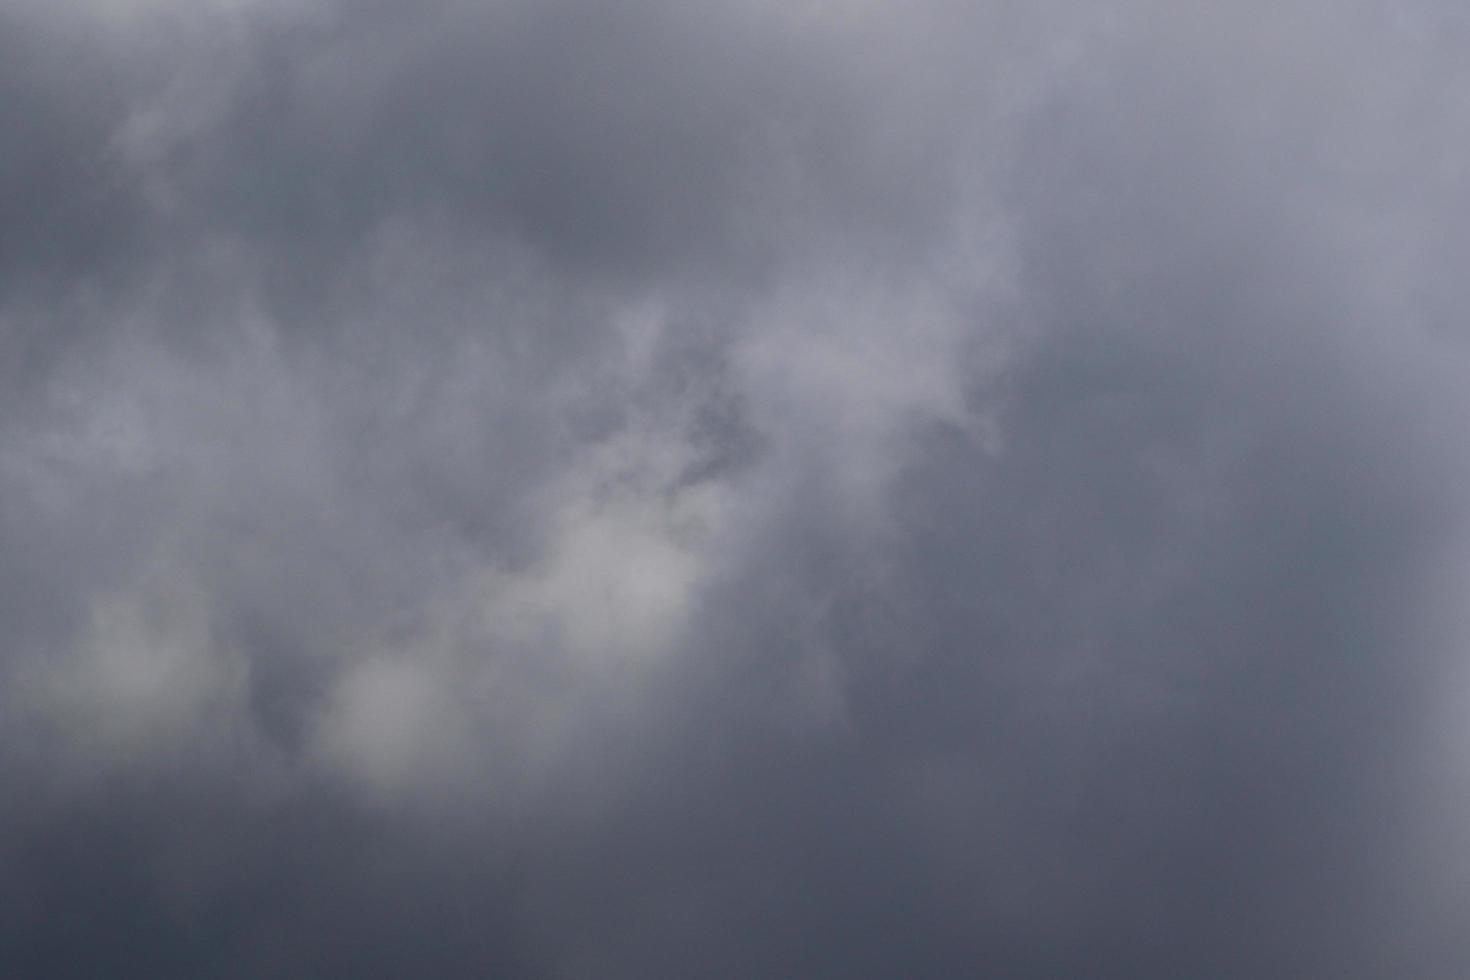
[735, 488]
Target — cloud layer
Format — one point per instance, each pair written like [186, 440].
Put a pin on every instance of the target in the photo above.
[734, 488]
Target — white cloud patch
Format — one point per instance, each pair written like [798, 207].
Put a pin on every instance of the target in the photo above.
[146, 681]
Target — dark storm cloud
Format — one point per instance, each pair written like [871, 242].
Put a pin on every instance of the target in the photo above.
[63, 209]
[743, 489]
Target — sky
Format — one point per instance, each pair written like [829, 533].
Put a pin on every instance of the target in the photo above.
[734, 488]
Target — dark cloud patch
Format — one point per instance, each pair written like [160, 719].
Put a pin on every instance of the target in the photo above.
[643, 140]
[194, 878]
[66, 212]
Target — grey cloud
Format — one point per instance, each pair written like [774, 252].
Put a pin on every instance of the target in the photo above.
[731, 488]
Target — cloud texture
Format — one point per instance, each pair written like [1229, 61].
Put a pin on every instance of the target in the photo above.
[733, 488]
